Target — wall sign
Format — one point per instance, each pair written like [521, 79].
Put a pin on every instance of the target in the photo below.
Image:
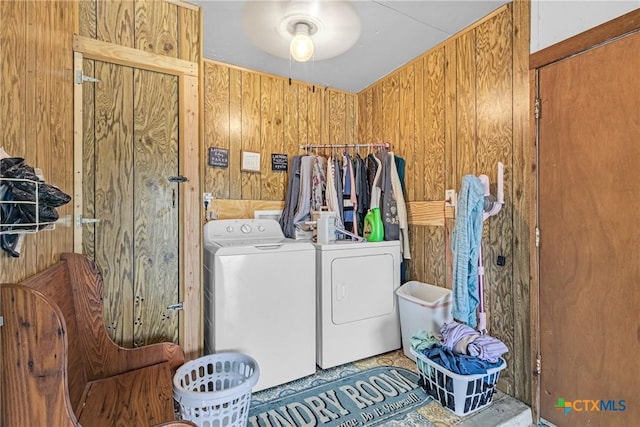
[250, 161]
[279, 162]
[218, 157]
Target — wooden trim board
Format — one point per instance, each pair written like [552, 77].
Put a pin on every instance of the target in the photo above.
[419, 213]
[130, 57]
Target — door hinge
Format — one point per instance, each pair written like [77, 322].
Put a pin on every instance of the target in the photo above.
[537, 237]
[537, 108]
[175, 307]
[178, 179]
[538, 365]
[1, 321]
[80, 220]
[81, 78]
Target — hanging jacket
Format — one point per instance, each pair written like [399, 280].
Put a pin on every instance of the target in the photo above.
[291, 198]
[303, 211]
[388, 205]
[398, 195]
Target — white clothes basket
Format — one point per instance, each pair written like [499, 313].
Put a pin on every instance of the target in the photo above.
[215, 390]
[461, 394]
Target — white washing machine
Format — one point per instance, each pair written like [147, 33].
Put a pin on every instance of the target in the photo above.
[259, 297]
[357, 309]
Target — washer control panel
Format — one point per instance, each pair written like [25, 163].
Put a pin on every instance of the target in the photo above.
[242, 229]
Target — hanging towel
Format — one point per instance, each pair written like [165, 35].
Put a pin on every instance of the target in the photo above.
[465, 243]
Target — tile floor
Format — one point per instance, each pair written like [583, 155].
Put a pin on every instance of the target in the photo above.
[504, 411]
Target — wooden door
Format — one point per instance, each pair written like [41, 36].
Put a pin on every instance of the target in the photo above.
[589, 219]
[130, 150]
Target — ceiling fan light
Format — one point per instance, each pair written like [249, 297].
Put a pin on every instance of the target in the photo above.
[301, 47]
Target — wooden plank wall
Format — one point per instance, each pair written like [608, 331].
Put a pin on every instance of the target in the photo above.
[36, 113]
[456, 110]
[252, 111]
[36, 88]
[146, 148]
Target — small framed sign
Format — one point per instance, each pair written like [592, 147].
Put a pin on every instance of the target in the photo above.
[218, 157]
[279, 162]
[250, 161]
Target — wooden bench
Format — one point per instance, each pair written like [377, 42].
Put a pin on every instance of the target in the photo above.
[59, 365]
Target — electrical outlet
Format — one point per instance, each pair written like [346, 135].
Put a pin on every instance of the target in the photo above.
[206, 199]
[450, 198]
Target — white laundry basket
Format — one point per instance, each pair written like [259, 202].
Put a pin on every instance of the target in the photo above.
[461, 394]
[215, 390]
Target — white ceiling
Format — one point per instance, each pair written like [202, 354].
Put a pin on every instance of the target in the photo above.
[392, 34]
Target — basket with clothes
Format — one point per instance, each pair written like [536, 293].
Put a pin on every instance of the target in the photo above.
[460, 368]
[27, 203]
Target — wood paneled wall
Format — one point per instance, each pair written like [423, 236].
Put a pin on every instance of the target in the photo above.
[36, 113]
[170, 28]
[148, 131]
[460, 109]
[36, 90]
[251, 111]
[457, 109]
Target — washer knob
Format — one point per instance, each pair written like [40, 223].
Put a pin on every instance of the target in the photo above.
[261, 228]
[245, 228]
[229, 229]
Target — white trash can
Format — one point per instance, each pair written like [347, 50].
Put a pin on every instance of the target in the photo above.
[422, 306]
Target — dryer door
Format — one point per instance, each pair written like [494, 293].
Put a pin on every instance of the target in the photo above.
[362, 287]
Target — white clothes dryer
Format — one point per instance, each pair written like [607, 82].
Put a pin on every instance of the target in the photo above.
[259, 297]
[357, 309]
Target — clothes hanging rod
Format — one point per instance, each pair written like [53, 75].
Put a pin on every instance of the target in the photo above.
[380, 144]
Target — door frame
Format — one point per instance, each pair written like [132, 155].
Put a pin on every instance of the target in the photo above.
[190, 329]
[604, 33]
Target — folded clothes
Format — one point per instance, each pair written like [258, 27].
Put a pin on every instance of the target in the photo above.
[463, 339]
[459, 363]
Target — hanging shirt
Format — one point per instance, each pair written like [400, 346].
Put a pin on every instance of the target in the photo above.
[318, 183]
[303, 211]
[331, 193]
[291, 198]
[349, 195]
[374, 169]
[363, 192]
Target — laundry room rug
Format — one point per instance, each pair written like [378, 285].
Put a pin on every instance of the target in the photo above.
[343, 397]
